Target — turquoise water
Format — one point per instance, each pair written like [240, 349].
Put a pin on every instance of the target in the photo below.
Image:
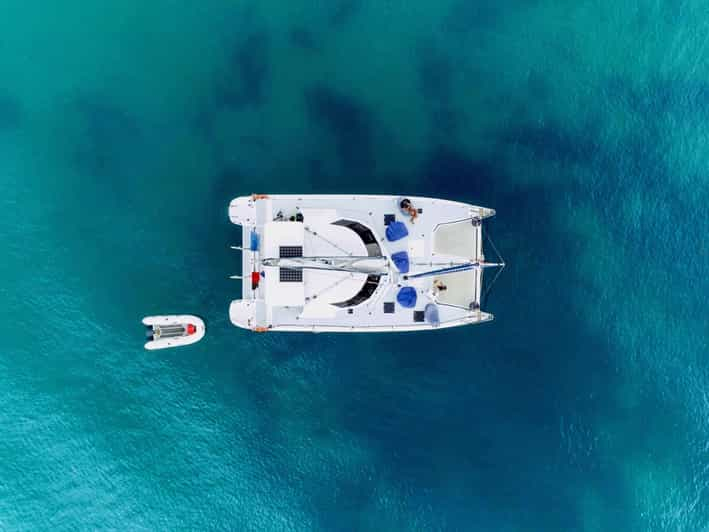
[125, 129]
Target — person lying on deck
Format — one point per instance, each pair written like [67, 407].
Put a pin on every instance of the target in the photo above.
[409, 209]
[438, 286]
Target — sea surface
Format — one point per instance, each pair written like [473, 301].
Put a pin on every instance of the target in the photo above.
[125, 129]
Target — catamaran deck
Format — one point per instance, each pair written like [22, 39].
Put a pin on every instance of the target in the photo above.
[326, 263]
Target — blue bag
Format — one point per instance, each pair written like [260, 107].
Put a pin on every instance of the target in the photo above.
[401, 261]
[430, 313]
[396, 231]
[254, 241]
[407, 297]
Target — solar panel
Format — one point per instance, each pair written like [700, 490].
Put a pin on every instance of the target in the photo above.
[290, 251]
[290, 275]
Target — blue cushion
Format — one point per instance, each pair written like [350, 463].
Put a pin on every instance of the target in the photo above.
[407, 297]
[396, 231]
[401, 261]
[254, 241]
[430, 312]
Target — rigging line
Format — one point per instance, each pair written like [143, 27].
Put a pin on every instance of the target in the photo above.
[443, 271]
[412, 263]
[326, 240]
[494, 279]
[494, 248]
[489, 287]
[327, 289]
[432, 262]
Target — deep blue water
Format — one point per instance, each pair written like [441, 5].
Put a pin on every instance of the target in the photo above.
[126, 129]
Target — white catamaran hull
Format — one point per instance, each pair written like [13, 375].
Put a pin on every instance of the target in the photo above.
[173, 331]
[359, 263]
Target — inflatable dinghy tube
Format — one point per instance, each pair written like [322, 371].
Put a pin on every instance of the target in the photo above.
[172, 331]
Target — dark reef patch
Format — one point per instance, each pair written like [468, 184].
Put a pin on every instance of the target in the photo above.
[465, 16]
[316, 169]
[304, 39]
[10, 113]
[112, 138]
[350, 124]
[255, 142]
[446, 171]
[436, 73]
[538, 88]
[435, 70]
[245, 81]
[341, 12]
[202, 122]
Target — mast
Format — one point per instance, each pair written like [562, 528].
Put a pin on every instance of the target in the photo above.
[366, 265]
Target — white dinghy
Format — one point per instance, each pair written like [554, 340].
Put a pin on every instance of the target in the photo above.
[172, 331]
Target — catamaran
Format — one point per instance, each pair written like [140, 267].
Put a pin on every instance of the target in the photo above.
[359, 263]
